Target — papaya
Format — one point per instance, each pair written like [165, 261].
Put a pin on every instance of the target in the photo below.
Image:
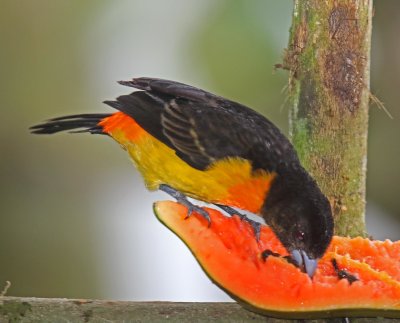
[355, 278]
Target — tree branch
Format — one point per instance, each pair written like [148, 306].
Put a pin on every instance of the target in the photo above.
[29, 309]
[328, 58]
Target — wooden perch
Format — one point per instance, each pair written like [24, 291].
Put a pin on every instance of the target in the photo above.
[28, 309]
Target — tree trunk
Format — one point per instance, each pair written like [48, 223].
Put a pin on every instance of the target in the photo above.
[329, 58]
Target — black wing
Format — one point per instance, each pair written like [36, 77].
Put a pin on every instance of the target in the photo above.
[202, 127]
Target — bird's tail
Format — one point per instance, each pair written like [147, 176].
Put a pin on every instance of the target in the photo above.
[73, 123]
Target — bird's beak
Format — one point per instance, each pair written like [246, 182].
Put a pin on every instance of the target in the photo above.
[306, 264]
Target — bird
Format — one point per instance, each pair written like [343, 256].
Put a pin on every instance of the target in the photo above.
[189, 142]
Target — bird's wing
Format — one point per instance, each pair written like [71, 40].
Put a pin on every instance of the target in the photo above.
[202, 127]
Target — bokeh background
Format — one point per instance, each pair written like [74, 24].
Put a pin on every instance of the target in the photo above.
[75, 219]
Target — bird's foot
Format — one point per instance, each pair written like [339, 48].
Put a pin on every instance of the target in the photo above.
[254, 224]
[182, 199]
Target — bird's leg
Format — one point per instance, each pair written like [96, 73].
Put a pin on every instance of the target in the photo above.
[182, 199]
[254, 224]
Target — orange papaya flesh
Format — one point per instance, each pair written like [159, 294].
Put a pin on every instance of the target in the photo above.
[231, 257]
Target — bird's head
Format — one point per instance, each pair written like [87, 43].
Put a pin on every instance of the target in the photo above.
[303, 222]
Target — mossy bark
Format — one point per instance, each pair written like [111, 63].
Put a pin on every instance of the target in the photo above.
[328, 58]
[30, 309]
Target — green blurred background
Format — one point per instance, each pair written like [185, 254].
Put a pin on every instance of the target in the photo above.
[75, 219]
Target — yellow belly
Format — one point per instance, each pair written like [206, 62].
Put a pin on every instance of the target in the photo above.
[229, 181]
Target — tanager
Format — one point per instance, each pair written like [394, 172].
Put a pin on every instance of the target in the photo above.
[192, 143]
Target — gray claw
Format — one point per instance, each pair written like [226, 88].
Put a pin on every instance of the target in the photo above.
[193, 208]
[256, 227]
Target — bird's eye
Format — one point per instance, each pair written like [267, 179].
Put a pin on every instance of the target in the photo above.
[299, 235]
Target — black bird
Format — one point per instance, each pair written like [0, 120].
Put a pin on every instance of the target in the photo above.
[189, 142]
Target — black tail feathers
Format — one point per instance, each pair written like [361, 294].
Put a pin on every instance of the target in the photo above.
[74, 123]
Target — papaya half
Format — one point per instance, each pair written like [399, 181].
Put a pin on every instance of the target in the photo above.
[355, 278]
